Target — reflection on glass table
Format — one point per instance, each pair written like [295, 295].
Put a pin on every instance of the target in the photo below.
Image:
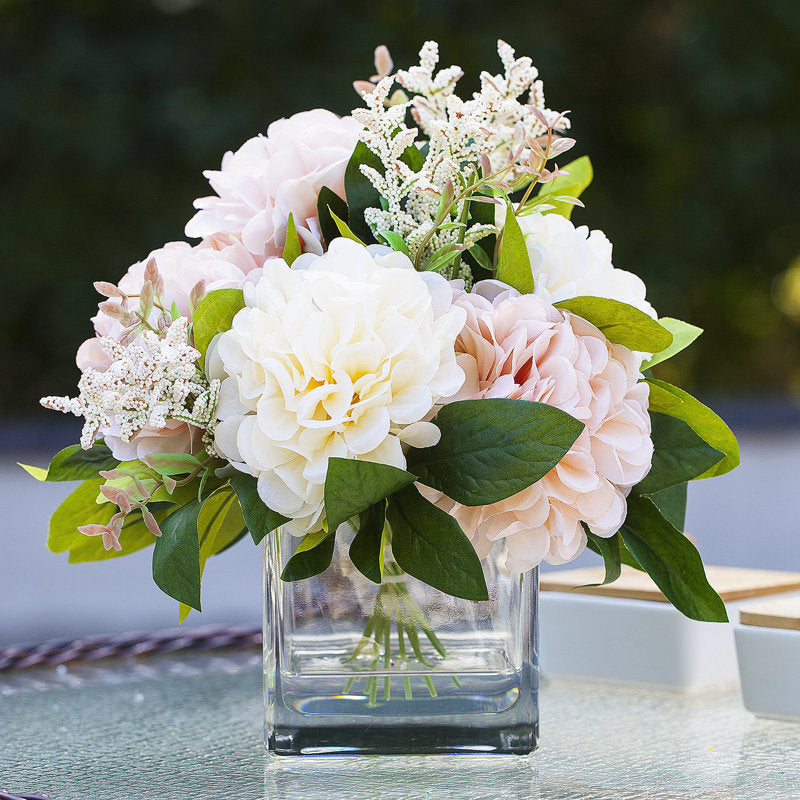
[190, 727]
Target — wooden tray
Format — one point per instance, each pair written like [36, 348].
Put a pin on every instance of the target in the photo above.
[783, 613]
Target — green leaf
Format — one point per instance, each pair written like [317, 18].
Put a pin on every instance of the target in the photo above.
[313, 555]
[608, 548]
[134, 537]
[172, 463]
[491, 449]
[78, 508]
[352, 486]
[293, 247]
[572, 185]
[328, 201]
[429, 544]
[360, 193]
[671, 560]
[395, 241]
[344, 229]
[214, 314]
[219, 523]
[671, 400]
[366, 549]
[260, 519]
[672, 504]
[176, 557]
[514, 263]
[683, 334]
[680, 455]
[620, 323]
[75, 464]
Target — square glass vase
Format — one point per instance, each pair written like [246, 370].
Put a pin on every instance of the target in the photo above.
[353, 667]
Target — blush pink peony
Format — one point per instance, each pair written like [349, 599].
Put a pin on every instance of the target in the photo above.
[271, 176]
[520, 346]
[221, 264]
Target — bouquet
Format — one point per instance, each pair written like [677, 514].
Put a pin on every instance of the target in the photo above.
[390, 328]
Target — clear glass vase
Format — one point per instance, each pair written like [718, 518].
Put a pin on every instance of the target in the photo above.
[352, 667]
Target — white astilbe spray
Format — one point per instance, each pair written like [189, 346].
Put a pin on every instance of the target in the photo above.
[146, 384]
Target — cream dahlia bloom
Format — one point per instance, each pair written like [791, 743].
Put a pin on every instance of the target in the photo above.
[271, 176]
[519, 346]
[220, 265]
[344, 355]
[570, 262]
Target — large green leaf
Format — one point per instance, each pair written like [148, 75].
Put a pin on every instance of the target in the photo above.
[73, 463]
[672, 504]
[176, 557]
[680, 454]
[78, 508]
[366, 549]
[429, 544]
[352, 486]
[328, 201]
[219, 523]
[675, 402]
[293, 247]
[491, 449]
[572, 185]
[260, 519]
[313, 555]
[214, 314]
[608, 548]
[683, 334]
[514, 263]
[360, 193]
[134, 537]
[671, 560]
[620, 323]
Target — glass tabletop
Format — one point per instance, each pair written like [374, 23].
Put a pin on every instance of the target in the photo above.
[188, 727]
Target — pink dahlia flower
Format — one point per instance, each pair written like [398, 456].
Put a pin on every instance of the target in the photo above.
[219, 263]
[520, 346]
[271, 176]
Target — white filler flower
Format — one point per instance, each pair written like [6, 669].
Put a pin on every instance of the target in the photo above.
[344, 355]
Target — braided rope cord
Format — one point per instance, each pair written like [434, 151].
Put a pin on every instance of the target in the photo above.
[92, 648]
[7, 796]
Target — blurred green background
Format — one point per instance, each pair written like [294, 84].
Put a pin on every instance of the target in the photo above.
[109, 112]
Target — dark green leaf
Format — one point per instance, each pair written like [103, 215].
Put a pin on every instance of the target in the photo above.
[608, 548]
[328, 201]
[75, 464]
[176, 557]
[360, 193]
[572, 185]
[674, 401]
[352, 486]
[429, 544]
[260, 519]
[313, 555]
[214, 314]
[366, 549]
[514, 263]
[671, 560]
[680, 454]
[620, 323]
[672, 504]
[293, 247]
[491, 449]
[683, 334]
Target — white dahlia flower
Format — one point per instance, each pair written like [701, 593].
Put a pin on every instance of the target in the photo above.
[271, 176]
[344, 355]
[519, 346]
[570, 262]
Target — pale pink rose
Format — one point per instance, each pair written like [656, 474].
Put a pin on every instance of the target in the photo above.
[519, 346]
[271, 176]
[221, 263]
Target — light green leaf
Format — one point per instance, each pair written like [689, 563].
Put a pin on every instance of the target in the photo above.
[683, 334]
[671, 560]
[352, 486]
[395, 241]
[172, 463]
[75, 464]
[429, 544]
[366, 549]
[491, 449]
[134, 537]
[176, 557]
[214, 314]
[514, 263]
[260, 519]
[313, 555]
[620, 323]
[701, 419]
[572, 185]
[79, 508]
[344, 229]
[680, 455]
[293, 247]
